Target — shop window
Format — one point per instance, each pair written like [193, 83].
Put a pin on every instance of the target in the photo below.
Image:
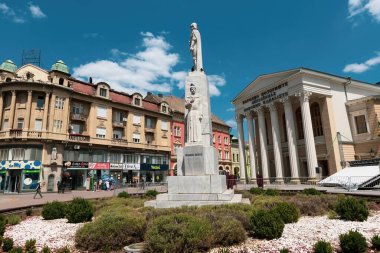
[101, 132]
[115, 157]
[40, 102]
[132, 158]
[102, 112]
[33, 154]
[361, 124]
[18, 154]
[136, 138]
[4, 154]
[34, 176]
[99, 156]
[299, 124]
[20, 123]
[316, 119]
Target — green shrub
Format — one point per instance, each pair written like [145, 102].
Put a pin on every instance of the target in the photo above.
[227, 232]
[322, 247]
[257, 191]
[266, 202]
[311, 205]
[79, 210]
[332, 215]
[13, 219]
[284, 250]
[63, 250]
[179, 233]
[352, 209]
[111, 232]
[272, 192]
[353, 242]
[46, 249]
[311, 191]
[289, 213]
[53, 210]
[3, 223]
[123, 194]
[375, 240]
[17, 249]
[30, 246]
[29, 212]
[266, 225]
[7, 244]
[151, 193]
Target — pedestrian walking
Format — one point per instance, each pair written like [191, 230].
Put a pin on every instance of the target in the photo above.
[107, 185]
[59, 186]
[38, 190]
[63, 186]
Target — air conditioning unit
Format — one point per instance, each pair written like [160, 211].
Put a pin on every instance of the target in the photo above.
[125, 119]
[76, 147]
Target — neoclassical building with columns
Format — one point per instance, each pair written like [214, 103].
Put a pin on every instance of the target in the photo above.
[303, 124]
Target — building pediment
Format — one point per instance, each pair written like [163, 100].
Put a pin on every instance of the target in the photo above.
[36, 73]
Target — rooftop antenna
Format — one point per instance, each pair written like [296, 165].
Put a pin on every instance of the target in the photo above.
[32, 56]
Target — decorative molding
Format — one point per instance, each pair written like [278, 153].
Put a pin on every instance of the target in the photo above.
[304, 95]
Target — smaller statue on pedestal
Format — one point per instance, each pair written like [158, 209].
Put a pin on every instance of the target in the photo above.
[196, 48]
[194, 116]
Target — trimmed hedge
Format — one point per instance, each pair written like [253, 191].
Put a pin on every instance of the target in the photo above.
[289, 213]
[266, 225]
[257, 191]
[151, 193]
[322, 247]
[53, 210]
[13, 219]
[351, 209]
[375, 240]
[7, 244]
[353, 242]
[123, 194]
[79, 210]
[311, 191]
[272, 192]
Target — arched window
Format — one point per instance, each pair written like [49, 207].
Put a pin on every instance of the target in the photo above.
[61, 80]
[316, 119]
[299, 123]
[8, 79]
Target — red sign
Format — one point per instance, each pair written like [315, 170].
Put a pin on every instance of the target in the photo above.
[99, 166]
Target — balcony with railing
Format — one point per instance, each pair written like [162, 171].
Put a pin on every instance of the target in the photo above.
[78, 116]
[79, 137]
[117, 124]
[15, 133]
[34, 134]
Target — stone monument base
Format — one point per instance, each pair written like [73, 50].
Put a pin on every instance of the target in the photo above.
[196, 191]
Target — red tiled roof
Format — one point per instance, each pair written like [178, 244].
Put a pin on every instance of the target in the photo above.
[87, 89]
[120, 98]
[150, 106]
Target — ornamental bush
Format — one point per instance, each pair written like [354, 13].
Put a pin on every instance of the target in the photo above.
[352, 209]
[266, 225]
[322, 247]
[63, 250]
[111, 232]
[257, 191]
[375, 240]
[227, 230]
[3, 223]
[17, 249]
[184, 233]
[311, 191]
[7, 244]
[289, 213]
[46, 249]
[30, 246]
[353, 242]
[13, 219]
[53, 210]
[123, 194]
[79, 210]
[284, 250]
[272, 192]
[151, 193]
[29, 212]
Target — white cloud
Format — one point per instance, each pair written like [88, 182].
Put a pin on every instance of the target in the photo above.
[372, 7]
[36, 11]
[232, 123]
[10, 14]
[150, 69]
[231, 109]
[362, 67]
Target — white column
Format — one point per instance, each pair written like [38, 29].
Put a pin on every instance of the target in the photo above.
[239, 120]
[276, 142]
[292, 141]
[252, 148]
[311, 153]
[263, 143]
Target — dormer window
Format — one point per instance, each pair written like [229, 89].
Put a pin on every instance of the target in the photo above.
[8, 80]
[137, 101]
[103, 92]
[164, 109]
[29, 75]
[61, 81]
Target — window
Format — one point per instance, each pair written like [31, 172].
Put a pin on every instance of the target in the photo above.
[99, 156]
[5, 124]
[226, 141]
[76, 128]
[177, 131]
[164, 125]
[226, 155]
[136, 138]
[33, 154]
[299, 124]
[137, 101]
[18, 154]
[237, 157]
[220, 154]
[117, 134]
[40, 102]
[57, 126]
[61, 80]
[100, 132]
[77, 108]
[361, 124]
[115, 157]
[38, 125]
[117, 116]
[149, 122]
[132, 158]
[219, 140]
[316, 119]
[136, 120]
[20, 123]
[233, 157]
[102, 112]
[149, 138]
[103, 92]
[164, 109]
[59, 103]
[4, 154]
[76, 155]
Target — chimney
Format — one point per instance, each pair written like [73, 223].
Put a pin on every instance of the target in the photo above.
[90, 80]
[160, 95]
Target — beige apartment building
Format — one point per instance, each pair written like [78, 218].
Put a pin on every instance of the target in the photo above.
[55, 128]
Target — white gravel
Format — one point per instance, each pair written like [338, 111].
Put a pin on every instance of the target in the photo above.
[53, 233]
[300, 237]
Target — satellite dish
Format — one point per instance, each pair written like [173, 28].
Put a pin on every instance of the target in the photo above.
[28, 181]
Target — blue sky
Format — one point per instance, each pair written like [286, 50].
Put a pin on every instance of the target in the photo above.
[143, 45]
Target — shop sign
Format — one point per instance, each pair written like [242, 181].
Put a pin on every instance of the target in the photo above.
[154, 167]
[116, 166]
[21, 165]
[131, 166]
[99, 166]
[76, 165]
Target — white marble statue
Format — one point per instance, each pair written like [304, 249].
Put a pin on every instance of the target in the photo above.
[54, 153]
[194, 116]
[196, 48]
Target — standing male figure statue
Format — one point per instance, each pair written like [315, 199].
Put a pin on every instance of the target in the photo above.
[194, 116]
[196, 48]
